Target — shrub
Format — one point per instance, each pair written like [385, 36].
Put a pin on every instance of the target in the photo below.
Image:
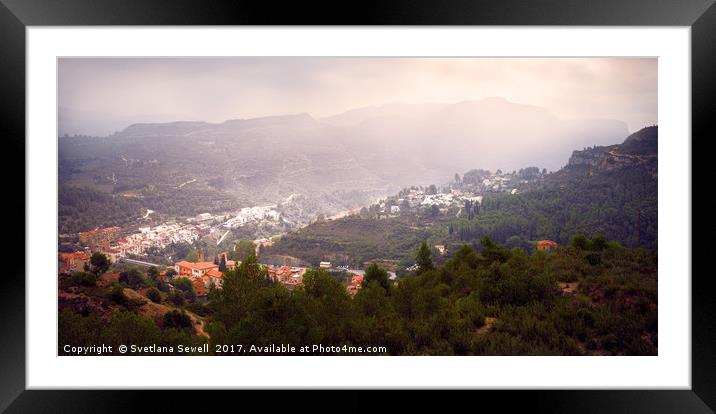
[154, 295]
[84, 278]
[117, 296]
[177, 298]
[176, 319]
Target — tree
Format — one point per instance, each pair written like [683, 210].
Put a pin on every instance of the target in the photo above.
[222, 264]
[192, 256]
[186, 287]
[154, 295]
[84, 278]
[132, 278]
[153, 274]
[581, 242]
[424, 259]
[171, 273]
[117, 296]
[599, 242]
[434, 210]
[243, 249]
[374, 273]
[176, 319]
[99, 263]
[176, 297]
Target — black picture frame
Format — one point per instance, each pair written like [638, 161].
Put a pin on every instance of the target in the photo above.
[16, 15]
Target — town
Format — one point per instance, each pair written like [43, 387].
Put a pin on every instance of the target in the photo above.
[464, 195]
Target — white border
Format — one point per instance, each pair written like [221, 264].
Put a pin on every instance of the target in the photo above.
[671, 369]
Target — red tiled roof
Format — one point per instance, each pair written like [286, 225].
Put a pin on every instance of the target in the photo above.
[76, 255]
[199, 287]
[198, 265]
[546, 244]
[214, 273]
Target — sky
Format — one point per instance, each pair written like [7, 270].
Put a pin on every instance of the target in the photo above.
[98, 96]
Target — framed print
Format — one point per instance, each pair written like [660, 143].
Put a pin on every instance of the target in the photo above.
[455, 196]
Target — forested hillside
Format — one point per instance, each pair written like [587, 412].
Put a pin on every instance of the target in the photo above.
[591, 298]
[598, 192]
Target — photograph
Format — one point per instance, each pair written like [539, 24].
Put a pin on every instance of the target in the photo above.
[357, 206]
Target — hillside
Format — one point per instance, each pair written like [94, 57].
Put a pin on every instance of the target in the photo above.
[639, 150]
[608, 190]
[336, 163]
[102, 312]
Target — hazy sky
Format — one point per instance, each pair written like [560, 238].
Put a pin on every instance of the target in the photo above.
[99, 95]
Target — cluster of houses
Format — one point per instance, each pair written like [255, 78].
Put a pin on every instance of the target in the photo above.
[292, 276]
[416, 199]
[74, 261]
[250, 214]
[203, 275]
[160, 237]
[108, 241]
[289, 276]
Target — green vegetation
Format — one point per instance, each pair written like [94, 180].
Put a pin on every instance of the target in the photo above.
[590, 297]
[424, 259]
[356, 239]
[242, 250]
[497, 301]
[374, 274]
[122, 328]
[177, 319]
[84, 278]
[81, 209]
[98, 264]
[621, 205]
[154, 295]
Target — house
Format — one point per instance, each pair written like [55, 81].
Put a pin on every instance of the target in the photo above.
[99, 237]
[189, 269]
[325, 265]
[412, 268]
[112, 254]
[203, 217]
[284, 274]
[395, 209]
[440, 248]
[546, 245]
[74, 261]
[213, 277]
[355, 284]
[199, 288]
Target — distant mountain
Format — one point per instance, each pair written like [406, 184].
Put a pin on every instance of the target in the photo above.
[337, 163]
[232, 126]
[357, 116]
[492, 133]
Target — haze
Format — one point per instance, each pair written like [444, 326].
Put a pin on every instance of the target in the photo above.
[98, 96]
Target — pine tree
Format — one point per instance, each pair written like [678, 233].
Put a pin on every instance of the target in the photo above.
[425, 259]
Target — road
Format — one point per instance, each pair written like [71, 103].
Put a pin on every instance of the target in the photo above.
[137, 262]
